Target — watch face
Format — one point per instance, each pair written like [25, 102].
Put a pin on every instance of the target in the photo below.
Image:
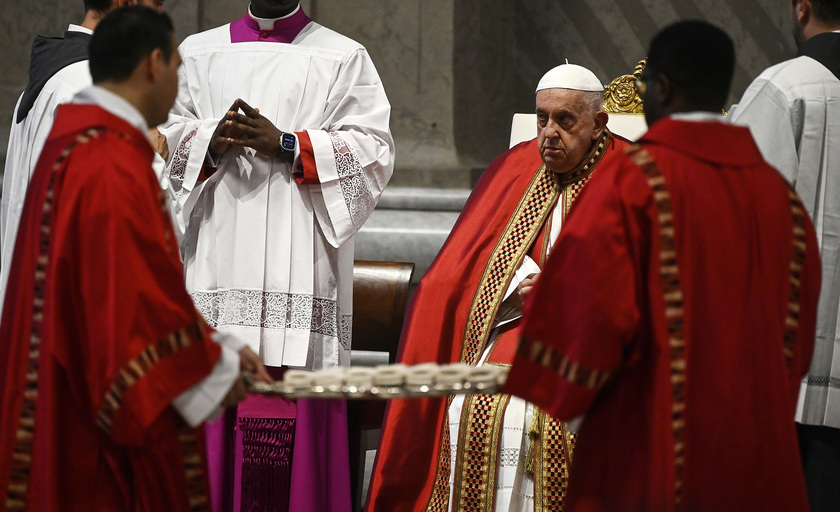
[287, 141]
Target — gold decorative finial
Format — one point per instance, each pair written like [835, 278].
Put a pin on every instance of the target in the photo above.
[621, 96]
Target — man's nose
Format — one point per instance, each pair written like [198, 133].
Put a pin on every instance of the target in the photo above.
[551, 130]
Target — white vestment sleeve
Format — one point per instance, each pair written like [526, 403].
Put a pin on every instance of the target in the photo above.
[202, 401]
[772, 119]
[354, 150]
[188, 138]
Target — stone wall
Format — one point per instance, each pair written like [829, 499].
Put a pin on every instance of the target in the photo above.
[455, 72]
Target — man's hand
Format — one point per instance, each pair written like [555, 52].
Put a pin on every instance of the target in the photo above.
[525, 287]
[251, 362]
[225, 131]
[254, 130]
[159, 143]
[237, 393]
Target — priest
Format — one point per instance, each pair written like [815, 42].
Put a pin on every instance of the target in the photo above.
[58, 69]
[107, 368]
[792, 111]
[677, 312]
[493, 452]
[280, 148]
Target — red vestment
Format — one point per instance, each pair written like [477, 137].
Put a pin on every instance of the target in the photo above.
[99, 334]
[677, 313]
[437, 321]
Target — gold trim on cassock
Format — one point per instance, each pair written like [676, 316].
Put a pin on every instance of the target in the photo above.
[475, 467]
[479, 464]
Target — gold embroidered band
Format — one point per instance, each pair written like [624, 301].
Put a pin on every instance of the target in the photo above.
[674, 314]
[25, 435]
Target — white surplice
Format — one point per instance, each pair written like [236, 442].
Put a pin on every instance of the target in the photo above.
[26, 140]
[267, 259]
[793, 112]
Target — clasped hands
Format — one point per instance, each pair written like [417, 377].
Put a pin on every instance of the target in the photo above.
[248, 128]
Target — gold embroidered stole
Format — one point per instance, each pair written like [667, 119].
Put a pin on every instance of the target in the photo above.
[481, 419]
[519, 234]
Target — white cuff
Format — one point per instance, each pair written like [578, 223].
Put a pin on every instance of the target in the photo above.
[203, 401]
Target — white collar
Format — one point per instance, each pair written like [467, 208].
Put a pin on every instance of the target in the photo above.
[698, 116]
[113, 103]
[268, 23]
[79, 28]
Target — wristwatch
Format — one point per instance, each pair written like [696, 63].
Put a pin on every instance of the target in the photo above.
[288, 143]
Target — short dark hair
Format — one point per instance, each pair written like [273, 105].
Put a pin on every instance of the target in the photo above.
[698, 59]
[125, 37]
[827, 10]
[98, 5]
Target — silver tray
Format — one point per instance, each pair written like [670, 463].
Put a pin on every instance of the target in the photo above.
[373, 392]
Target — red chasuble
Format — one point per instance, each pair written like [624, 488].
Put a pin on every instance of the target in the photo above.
[436, 328]
[677, 313]
[98, 334]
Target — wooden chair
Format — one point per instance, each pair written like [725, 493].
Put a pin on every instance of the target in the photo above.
[380, 295]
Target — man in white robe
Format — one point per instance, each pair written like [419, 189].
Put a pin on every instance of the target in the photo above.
[268, 248]
[58, 69]
[793, 111]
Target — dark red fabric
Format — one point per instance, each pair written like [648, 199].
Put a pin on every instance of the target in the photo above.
[308, 175]
[114, 287]
[434, 328]
[600, 303]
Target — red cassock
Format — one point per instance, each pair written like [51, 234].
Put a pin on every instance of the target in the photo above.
[677, 313]
[98, 334]
[409, 455]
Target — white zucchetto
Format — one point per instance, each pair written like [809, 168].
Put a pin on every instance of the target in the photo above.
[570, 76]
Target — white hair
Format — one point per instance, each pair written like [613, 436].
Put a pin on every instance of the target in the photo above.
[594, 99]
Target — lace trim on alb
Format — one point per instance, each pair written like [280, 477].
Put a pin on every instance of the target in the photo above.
[180, 158]
[357, 195]
[274, 310]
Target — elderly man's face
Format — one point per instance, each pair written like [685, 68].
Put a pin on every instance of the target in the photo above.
[566, 127]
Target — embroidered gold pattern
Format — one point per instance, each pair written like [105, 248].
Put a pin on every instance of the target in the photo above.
[553, 455]
[138, 367]
[512, 247]
[22, 450]
[475, 475]
[524, 226]
[672, 295]
[439, 500]
[568, 178]
[538, 352]
[797, 262]
[192, 453]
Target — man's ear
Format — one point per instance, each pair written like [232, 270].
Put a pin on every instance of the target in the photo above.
[804, 9]
[156, 64]
[601, 119]
[664, 91]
